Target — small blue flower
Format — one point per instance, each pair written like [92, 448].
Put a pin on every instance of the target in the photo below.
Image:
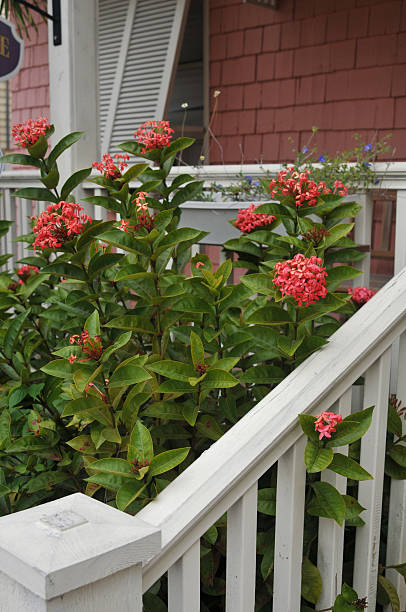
[368, 147]
[322, 159]
[305, 150]
[257, 184]
[377, 181]
[248, 179]
[366, 164]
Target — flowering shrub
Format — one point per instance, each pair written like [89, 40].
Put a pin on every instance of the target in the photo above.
[28, 133]
[118, 368]
[298, 186]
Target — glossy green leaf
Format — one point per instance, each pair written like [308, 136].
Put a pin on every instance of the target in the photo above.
[92, 324]
[311, 582]
[168, 460]
[35, 193]
[391, 592]
[128, 492]
[13, 332]
[267, 501]
[20, 159]
[330, 500]
[128, 375]
[140, 446]
[65, 142]
[196, 348]
[73, 181]
[316, 457]
[61, 368]
[341, 464]
[67, 270]
[176, 370]
[219, 379]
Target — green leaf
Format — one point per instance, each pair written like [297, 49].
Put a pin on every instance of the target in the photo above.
[177, 145]
[341, 464]
[61, 368]
[168, 460]
[89, 408]
[128, 492]
[208, 427]
[262, 375]
[182, 234]
[62, 268]
[193, 304]
[119, 343]
[132, 322]
[316, 457]
[133, 172]
[73, 181]
[176, 370]
[311, 582]
[330, 500]
[267, 501]
[352, 428]
[349, 593]
[391, 592]
[269, 315]
[336, 232]
[4, 227]
[394, 470]
[46, 480]
[189, 192]
[267, 562]
[28, 444]
[5, 431]
[126, 241]
[352, 507]
[401, 569]
[112, 465]
[398, 454]
[331, 302]
[4, 490]
[219, 379]
[259, 283]
[36, 193]
[307, 424]
[341, 605]
[13, 333]
[129, 374]
[66, 142]
[394, 421]
[92, 324]
[106, 202]
[39, 148]
[289, 346]
[99, 263]
[196, 348]
[338, 274]
[140, 446]
[20, 159]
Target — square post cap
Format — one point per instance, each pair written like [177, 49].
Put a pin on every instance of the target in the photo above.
[71, 542]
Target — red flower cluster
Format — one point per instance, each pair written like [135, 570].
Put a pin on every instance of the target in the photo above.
[154, 135]
[140, 201]
[92, 347]
[137, 465]
[25, 272]
[247, 219]
[340, 188]
[110, 169]
[26, 134]
[315, 234]
[326, 422]
[361, 295]
[58, 224]
[290, 182]
[201, 368]
[302, 278]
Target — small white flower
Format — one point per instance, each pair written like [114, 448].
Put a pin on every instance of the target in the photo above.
[185, 105]
[216, 93]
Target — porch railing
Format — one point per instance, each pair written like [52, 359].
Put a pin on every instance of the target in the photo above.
[76, 553]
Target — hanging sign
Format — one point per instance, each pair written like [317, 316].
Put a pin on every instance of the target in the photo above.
[11, 50]
[269, 3]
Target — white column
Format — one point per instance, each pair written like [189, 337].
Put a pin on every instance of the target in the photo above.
[74, 553]
[73, 83]
[184, 582]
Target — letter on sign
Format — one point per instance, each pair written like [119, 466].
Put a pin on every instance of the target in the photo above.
[11, 50]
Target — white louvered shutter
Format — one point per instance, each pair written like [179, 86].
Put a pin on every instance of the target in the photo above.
[137, 46]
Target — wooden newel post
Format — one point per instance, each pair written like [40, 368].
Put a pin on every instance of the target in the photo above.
[74, 553]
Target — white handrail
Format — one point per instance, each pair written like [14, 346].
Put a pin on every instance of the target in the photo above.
[210, 486]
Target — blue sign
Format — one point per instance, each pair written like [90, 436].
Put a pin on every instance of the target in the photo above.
[11, 50]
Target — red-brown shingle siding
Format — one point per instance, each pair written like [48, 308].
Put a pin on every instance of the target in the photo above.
[339, 65]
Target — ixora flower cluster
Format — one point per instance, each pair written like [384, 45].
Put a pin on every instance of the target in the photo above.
[305, 191]
[302, 278]
[26, 134]
[91, 347]
[248, 220]
[143, 217]
[361, 295]
[58, 224]
[25, 272]
[112, 169]
[154, 135]
[325, 424]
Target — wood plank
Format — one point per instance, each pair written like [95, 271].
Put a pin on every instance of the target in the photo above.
[290, 497]
[184, 582]
[241, 552]
[372, 458]
[331, 535]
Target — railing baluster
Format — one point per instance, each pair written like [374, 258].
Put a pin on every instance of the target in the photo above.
[241, 552]
[396, 544]
[362, 233]
[331, 535]
[290, 493]
[10, 212]
[184, 582]
[370, 491]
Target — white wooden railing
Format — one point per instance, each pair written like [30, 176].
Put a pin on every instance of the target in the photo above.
[78, 554]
